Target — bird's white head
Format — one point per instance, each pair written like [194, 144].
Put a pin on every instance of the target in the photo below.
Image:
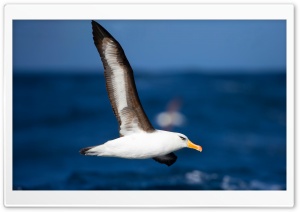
[187, 143]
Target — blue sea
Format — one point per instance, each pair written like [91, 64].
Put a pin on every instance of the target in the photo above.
[238, 119]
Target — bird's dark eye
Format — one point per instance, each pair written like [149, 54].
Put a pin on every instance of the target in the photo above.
[182, 137]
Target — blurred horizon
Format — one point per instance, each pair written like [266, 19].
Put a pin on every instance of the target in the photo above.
[100, 71]
[213, 46]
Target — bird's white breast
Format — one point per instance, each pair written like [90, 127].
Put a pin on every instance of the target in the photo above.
[140, 145]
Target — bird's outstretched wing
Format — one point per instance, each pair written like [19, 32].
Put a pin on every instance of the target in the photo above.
[120, 84]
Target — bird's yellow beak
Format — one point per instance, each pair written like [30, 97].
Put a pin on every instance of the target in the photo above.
[194, 146]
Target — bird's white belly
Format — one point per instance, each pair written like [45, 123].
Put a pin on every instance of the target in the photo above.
[137, 146]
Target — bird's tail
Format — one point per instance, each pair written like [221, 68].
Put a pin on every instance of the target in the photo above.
[85, 151]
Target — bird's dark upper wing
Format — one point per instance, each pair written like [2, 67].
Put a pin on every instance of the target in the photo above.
[167, 159]
[120, 84]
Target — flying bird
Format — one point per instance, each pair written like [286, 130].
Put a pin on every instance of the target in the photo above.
[138, 139]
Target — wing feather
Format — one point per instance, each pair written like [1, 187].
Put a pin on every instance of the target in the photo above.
[120, 84]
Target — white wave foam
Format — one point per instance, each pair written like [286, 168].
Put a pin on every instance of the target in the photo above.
[198, 177]
[230, 183]
[226, 182]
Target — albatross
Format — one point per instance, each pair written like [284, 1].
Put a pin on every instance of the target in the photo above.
[138, 139]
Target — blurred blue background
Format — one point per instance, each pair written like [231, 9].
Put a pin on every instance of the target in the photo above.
[222, 83]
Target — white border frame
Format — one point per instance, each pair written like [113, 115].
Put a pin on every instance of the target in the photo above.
[147, 198]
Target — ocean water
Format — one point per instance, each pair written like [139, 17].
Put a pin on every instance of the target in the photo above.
[238, 119]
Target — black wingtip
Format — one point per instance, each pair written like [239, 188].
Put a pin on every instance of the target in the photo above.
[99, 31]
[95, 24]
